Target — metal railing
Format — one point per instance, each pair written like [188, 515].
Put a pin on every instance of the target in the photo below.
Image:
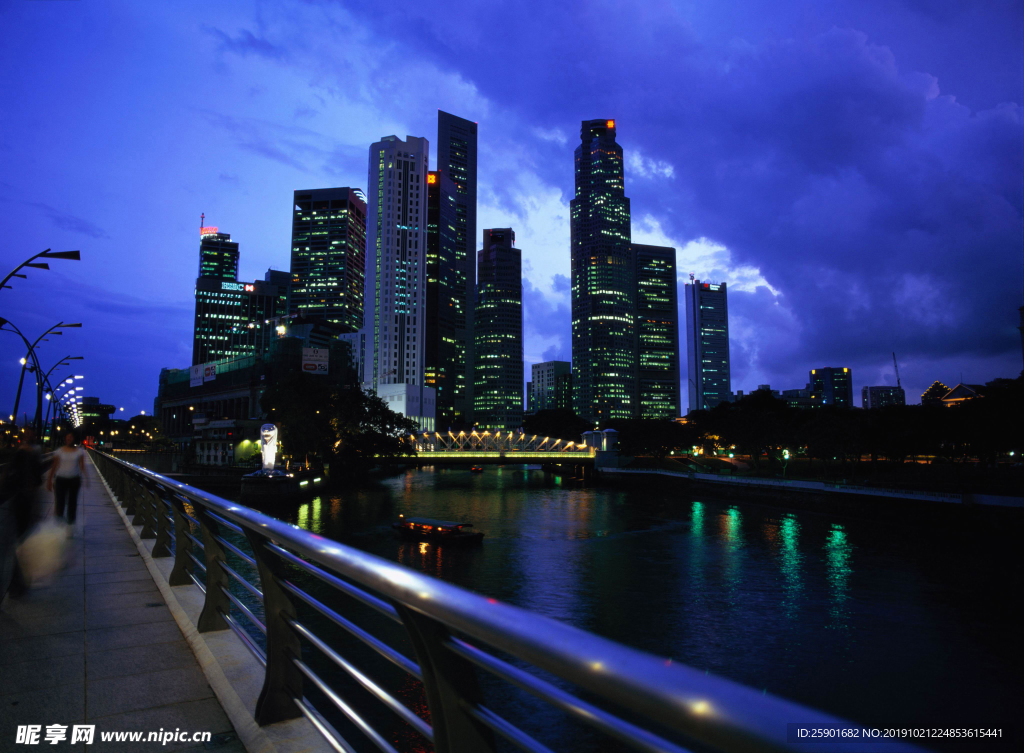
[462, 645]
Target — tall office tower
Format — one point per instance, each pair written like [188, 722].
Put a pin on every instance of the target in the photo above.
[881, 397]
[456, 160]
[657, 327]
[218, 255]
[832, 386]
[707, 344]
[441, 363]
[550, 385]
[329, 255]
[231, 318]
[603, 281]
[396, 274]
[498, 333]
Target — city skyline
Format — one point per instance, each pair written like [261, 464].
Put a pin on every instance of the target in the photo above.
[794, 308]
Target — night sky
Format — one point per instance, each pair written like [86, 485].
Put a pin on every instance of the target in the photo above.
[853, 170]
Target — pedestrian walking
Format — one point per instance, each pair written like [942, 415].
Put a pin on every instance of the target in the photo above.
[19, 509]
[67, 476]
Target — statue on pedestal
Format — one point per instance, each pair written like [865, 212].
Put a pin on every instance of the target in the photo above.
[268, 446]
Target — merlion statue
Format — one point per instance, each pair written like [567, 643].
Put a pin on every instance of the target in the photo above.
[268, 445]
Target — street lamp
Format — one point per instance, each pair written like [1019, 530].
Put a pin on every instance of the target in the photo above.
[35, 367]
[32, 263]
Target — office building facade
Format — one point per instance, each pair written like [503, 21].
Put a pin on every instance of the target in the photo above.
[395, 314]
[603, 280]
[498, 333]
[441, 360]
[707, 344]
[457, 161]
[657, 328]
[832, 385]
[328, 261]
[881, 397]
[550, 386]
[234, 319]
[218, 255]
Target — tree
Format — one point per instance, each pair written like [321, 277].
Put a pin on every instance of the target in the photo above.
[560, 423]
[366, 432]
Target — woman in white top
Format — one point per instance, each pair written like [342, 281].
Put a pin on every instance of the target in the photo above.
[67, 474]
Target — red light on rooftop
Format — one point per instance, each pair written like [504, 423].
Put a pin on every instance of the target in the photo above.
[208, 230]
[611, 123]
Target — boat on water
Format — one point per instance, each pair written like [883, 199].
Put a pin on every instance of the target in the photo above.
[477, 469]
[437, 531]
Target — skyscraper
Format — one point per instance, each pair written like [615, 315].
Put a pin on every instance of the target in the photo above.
[444, 297]
[657, 319]
[232, 319]
[218, 255]
[396, 275]
[329, 255]
[603, 280]
[498, 333]
[707, 344]
[456, 160]
[551, 385]
[882, 397]
[832, 386]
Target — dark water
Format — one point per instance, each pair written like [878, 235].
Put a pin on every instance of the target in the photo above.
[888, 623]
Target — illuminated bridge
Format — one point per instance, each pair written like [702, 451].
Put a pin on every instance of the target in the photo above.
[499, 447]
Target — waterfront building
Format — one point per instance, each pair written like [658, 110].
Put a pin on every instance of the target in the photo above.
[232, 318]
[657, 328]
[218, 255]
[934, 394]
[329, 255]
[832, 385]
[396, 241]
[603, 280]
[550, 386]
[445, 296]
[457, 161]
[707, 344]
[498, 333]
[881, 397]
[962, 393]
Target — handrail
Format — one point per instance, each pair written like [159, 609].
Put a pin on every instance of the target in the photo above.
[454, 634]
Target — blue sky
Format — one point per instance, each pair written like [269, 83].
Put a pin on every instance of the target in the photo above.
[852, 170]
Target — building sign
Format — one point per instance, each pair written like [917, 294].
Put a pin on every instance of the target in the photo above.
[314, 360]
[248, 287]
[208, 230]
[195, 376]
[209, 372]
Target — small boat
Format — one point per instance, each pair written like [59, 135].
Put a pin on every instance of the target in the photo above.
[477, 469]
[437, 531]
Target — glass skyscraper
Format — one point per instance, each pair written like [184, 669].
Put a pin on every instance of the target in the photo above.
[218, 256]
[707, 344]
[329, 255]
[444, 297]
[832, 385]
[603, 278]
[456, 160]
[657, 318]
[498, 333]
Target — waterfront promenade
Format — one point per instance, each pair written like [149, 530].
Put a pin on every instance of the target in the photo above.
[99, 646]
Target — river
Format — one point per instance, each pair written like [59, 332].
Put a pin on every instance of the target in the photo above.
[885, 622]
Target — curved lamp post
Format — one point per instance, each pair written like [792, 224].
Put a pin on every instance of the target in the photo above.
[31, 354]
[32, 263]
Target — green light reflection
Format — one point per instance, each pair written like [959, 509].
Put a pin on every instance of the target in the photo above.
[791, 561]
[837, 555]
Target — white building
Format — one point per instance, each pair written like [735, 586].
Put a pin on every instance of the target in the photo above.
[396, 247]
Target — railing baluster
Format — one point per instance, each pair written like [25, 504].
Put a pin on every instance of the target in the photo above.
[282, 682]
[216, 602]
[162, 546]
[182, 544]
[451, 686]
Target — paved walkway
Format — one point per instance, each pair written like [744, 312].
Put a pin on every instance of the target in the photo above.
[98, 646]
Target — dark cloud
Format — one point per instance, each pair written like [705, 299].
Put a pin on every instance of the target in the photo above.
[64, 220]
[246, 43]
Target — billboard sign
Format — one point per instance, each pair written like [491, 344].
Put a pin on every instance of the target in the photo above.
[209, 372]
[195, 376]
[314, 360]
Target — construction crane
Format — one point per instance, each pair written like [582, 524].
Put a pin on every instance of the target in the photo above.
[897, 370]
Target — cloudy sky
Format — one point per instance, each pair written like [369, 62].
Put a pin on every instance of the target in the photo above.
[853, 170]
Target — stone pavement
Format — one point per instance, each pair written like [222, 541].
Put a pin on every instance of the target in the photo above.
[98, 646]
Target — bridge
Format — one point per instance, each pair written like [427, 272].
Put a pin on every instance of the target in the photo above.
[188, 611]
[498, 448]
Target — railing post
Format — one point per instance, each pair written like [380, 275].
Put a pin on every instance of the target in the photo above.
[216, 578]
[450, 684]
[162, 546]
[283, 680]
[146, 510]
[182, 544]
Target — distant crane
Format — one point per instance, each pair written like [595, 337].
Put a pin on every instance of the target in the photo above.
[897, 370]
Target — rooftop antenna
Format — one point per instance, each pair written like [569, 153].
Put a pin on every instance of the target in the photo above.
[897, 370]
[202, 222]
[691, 278]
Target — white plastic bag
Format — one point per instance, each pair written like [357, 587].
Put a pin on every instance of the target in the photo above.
[41, 554]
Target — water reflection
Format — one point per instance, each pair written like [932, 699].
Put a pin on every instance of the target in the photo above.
[790, 561]
[837, 555]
